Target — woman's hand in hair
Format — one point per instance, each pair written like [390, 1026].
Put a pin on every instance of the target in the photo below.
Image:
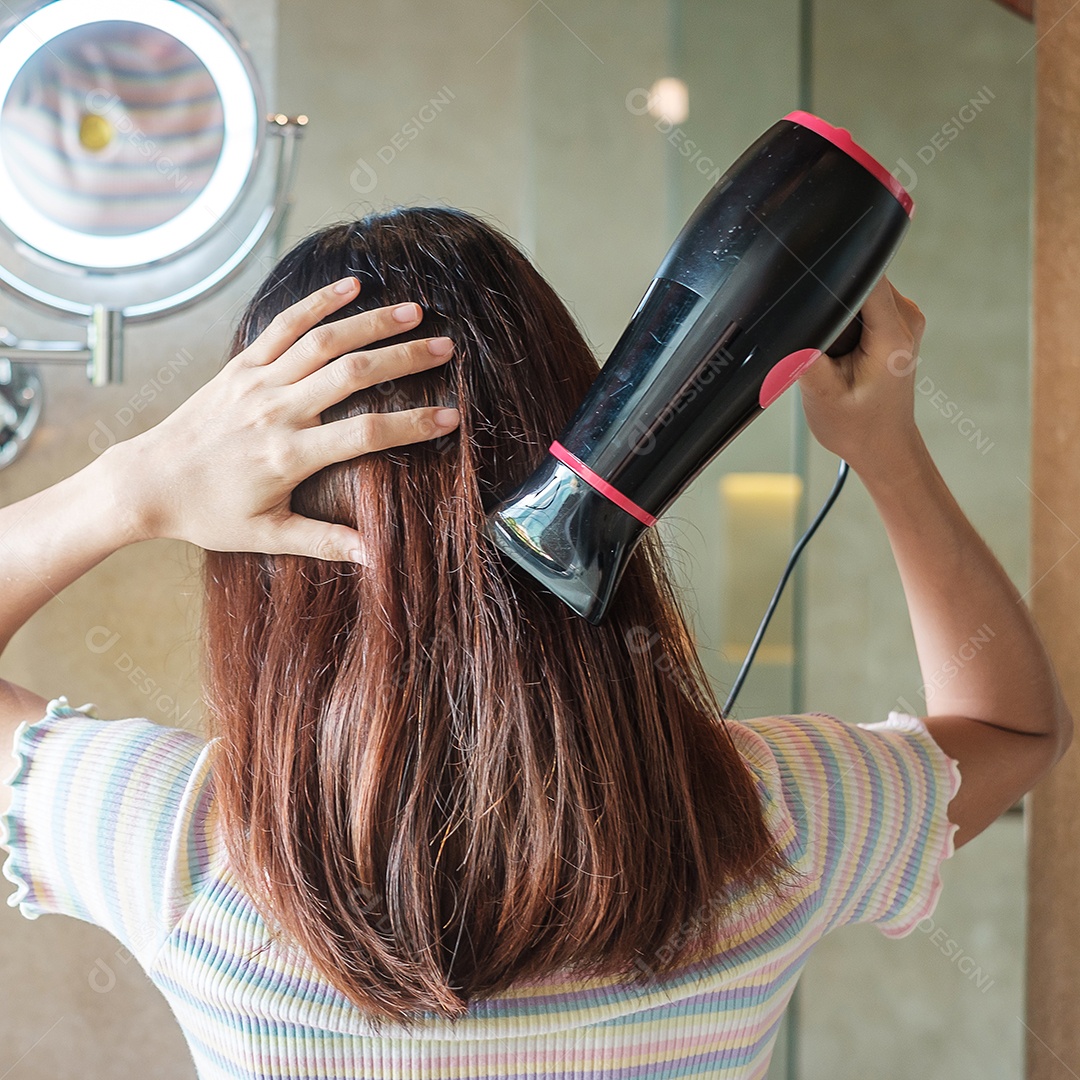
[861, 406]
[220, 470]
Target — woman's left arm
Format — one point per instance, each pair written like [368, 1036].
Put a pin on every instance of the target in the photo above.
[46, 542]
[220, 470]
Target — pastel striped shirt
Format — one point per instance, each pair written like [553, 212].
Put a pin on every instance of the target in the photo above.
[113, 822]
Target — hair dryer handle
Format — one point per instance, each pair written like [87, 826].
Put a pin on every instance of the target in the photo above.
[847, 339]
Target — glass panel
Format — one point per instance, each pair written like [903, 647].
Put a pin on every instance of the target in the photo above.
[941, 93]
[734, 527]
[720, 51]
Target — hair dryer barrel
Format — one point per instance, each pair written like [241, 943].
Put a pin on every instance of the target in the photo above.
[771, 267]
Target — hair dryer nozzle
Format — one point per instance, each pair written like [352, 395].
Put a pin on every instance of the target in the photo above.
[568, 535]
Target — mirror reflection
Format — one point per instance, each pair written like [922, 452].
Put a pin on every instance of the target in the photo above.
[112, 128]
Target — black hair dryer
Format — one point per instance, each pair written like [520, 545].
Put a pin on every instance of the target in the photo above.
[768, 273]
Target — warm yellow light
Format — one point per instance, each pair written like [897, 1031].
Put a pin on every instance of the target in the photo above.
[786, 487]
[758, 533]
[669, 99]
[95, 131]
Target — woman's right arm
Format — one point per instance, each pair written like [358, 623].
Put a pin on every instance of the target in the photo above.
[995, 706]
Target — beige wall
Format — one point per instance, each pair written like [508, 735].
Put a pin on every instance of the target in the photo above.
[532, 129]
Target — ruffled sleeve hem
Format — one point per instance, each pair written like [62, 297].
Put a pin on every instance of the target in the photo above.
[942, 832]
[27, 737]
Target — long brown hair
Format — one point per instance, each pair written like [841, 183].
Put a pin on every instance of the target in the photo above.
[433, 776]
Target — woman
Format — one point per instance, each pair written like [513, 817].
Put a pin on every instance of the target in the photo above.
[442, 825]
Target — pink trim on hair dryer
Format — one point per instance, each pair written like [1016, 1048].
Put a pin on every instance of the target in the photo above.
[597, 481]
[841, 138]
[783, 373]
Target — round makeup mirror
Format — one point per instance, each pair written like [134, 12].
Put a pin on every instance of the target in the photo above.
[138, 169]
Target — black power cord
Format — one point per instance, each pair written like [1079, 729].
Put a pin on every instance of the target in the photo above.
[841, 476]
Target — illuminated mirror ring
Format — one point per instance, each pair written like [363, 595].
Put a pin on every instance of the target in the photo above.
[236, 86]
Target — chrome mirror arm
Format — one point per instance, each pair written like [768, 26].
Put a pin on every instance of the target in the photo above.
[103, 353]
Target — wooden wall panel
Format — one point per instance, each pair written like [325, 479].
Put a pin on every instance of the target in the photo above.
[1052, 1047]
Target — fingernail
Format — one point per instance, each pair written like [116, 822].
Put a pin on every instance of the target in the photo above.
[345, 285]
[446, 417]
[406, 312]
[439, 346]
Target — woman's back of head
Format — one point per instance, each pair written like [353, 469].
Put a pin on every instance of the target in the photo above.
[434, 776]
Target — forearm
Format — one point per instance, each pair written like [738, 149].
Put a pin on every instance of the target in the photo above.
[979, 651]
[53, 537]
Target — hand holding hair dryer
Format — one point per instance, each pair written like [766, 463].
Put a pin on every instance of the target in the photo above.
[768, 272]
